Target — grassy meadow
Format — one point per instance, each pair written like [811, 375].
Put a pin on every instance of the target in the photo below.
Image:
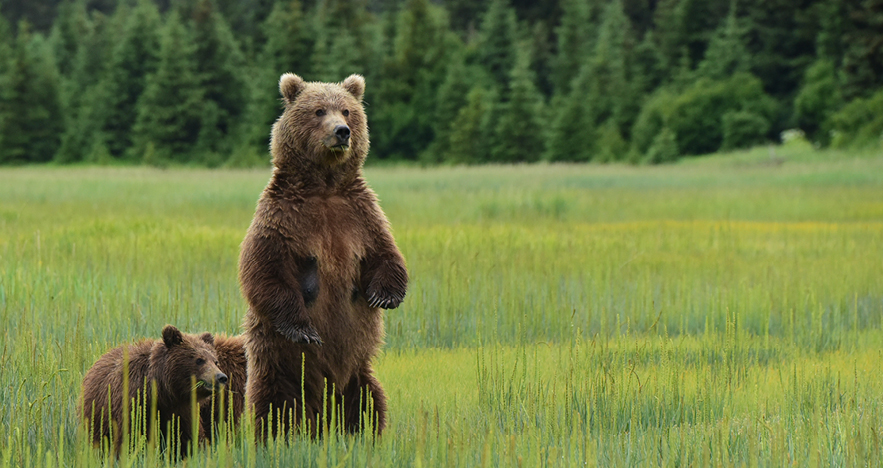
[720, 311]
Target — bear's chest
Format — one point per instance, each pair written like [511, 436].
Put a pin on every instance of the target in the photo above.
[335, 237]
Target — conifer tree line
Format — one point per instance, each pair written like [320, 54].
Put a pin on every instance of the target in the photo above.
[449, 81]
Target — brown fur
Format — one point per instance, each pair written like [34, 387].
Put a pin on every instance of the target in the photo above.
[170, 363]
[226, 406]
[316, 266]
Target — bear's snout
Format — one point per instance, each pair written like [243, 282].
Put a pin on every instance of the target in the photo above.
[342, 132]
[221, 378]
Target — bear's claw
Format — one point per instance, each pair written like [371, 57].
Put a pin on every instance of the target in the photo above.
[305, 334]
[391, 302]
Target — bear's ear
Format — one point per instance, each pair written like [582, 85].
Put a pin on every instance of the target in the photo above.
[355, 84]
[171, 336]
[208, 338]
[290, 85]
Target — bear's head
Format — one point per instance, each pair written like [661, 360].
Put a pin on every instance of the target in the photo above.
[323, 124]
[189, 357]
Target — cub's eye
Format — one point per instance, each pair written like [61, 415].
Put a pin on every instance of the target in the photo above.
[217, 364]
[346, 113]
[320, 112]
[200, 361]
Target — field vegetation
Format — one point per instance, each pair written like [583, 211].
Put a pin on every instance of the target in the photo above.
[723, 310]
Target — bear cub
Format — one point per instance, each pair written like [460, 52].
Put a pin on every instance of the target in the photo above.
[226, 406]
[172, 364]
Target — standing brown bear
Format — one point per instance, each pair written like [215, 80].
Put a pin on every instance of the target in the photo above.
[317, 265]
[171, 363]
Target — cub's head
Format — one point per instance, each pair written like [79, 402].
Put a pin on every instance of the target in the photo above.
[191, 356]
[322, 122]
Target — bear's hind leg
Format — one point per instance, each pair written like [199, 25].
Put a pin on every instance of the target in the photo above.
[364, 396]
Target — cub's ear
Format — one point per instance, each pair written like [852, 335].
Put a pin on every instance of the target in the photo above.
[208, 338]
[171, 336]
[290, 85]
[355, 84]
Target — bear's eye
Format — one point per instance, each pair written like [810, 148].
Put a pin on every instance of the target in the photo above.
[200, 361]
[346, 113]
[320, 112]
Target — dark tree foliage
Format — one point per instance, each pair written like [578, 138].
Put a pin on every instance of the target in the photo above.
[172, 110]
[420, 49]
[781, 40]
[448, 81]
[863, 57]
[726, 53]
[86, 96]
[576, 33]
[30, 130]
[517, 138]
[134, 57]
[497, 39]
[287, 47]
[218, 66]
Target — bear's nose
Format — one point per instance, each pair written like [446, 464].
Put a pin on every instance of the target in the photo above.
[342, 132]
[221, 378]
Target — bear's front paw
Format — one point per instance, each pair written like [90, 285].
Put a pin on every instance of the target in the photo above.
[385, 301]
[387, 287]
[303, 334]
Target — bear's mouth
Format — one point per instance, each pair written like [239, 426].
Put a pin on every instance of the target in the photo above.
[206, 388]
[339, 148]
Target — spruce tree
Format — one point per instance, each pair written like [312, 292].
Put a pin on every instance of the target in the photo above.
[414, 72]
[171, 110]
[682, 29]
[30, 129]
[863, 57]
[287, 43]
[780, 37]
[497, 38]
[471, 131]
[70, 27]
[609, 86]
[575, 34]
[341, 38]
[726, 53]
[218, 66]
[133, 59]
[543, 53]
[459, 80]
[6, 44]
[572, 130]
[520, 130]
[287, 48]
[83, 138]
[601, 91]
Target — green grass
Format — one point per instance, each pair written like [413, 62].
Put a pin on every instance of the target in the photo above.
[723, 310]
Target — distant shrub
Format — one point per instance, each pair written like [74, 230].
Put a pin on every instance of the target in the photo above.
[610, 144]
[859, 123]
[651, 120]
[695, 116]
[743, 129]
[664, 148]
[818, 98]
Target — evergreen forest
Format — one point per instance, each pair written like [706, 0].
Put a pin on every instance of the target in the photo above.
[194, 82]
